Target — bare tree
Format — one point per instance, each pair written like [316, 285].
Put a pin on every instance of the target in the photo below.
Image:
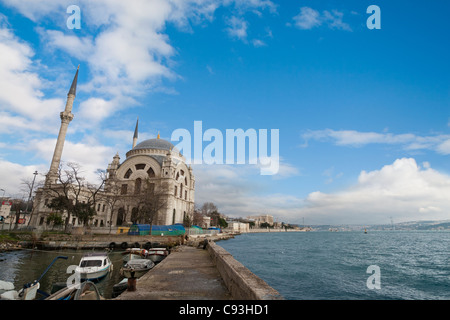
[208, 208]
[73, 194]
[151, 200]
[112, 197]
[197, 218]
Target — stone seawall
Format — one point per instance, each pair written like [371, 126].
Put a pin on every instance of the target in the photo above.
[240, 281]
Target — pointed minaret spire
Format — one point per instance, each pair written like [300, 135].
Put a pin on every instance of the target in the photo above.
[135, 137]
[66, 116]
[73, 87]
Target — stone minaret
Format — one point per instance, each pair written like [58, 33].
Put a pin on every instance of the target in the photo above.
[135, 137]
[66, 116]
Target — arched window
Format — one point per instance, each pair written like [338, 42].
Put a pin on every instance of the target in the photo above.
[134, 215]
[176, 191]
[137, 186]
[181, 191]
[151, 173]
[173, 217]
[140, 166]
[128, 174]
[120, 216]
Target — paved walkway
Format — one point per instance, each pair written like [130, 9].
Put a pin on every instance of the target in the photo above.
[186, 274]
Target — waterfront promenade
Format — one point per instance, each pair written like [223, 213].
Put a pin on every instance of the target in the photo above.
[186, 274]
[200, 273]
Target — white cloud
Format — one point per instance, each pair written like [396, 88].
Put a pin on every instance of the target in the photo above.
[309, 18]
[12, 175]
[439, 143]
[22, 101]
[334, 20]
[236, 193]
[444, 147]
[237, 28]
[258, 43]
[401, 190]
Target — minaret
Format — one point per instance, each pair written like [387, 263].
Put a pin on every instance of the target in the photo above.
[66, 116]
[135, 137]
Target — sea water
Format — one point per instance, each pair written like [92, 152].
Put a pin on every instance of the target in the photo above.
[23, 266]
[410, 265]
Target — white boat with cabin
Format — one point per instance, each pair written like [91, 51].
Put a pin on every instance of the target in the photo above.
[94, 266]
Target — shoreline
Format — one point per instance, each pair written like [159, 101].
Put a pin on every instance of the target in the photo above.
[62, 241]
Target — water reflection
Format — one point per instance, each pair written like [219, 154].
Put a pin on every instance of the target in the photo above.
[21, 267]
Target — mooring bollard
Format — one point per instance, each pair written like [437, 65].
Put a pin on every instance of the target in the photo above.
[131, 284]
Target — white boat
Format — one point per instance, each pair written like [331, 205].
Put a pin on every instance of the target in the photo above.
[136, 268]
[134, 253]
[157, 254]
[94, 266]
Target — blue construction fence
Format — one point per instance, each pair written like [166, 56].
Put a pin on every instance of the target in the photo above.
[167, 230]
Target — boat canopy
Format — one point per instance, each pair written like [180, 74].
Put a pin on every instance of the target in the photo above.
[90, 263]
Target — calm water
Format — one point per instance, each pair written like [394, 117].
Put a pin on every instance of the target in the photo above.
[24, 266]
[333, 265]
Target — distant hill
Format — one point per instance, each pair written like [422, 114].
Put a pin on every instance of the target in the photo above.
[410, 225]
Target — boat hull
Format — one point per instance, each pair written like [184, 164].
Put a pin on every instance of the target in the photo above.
[136, 268]
[94, 275]
[157, 254]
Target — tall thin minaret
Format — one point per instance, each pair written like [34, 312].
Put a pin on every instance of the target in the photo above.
[135, 137]
[66, 116]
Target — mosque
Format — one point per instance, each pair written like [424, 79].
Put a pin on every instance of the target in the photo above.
[152, 185]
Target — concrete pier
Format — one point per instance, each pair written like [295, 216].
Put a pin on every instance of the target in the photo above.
[186, 274]
[194, 273]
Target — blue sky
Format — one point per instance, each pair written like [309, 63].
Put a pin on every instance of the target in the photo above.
[363, 115]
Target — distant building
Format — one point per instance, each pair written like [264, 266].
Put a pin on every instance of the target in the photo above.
[5, 209]
[261, 219]
[236, 226]
[206, 222]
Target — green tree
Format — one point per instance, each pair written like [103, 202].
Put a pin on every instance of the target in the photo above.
[55, 218]
[223, 223]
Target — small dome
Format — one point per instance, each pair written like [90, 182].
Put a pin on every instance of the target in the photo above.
[159, 144]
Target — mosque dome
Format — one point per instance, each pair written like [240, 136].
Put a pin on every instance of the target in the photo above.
[159, 144]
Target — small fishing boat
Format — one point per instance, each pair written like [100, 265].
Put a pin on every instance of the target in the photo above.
[94, 266]
[136, 268]
[120, 287]
[85, 291]
[134, 253]
[157, 254]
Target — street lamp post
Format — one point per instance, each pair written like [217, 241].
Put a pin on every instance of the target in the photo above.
[4, 219]
[31, 190]
[29, 196]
